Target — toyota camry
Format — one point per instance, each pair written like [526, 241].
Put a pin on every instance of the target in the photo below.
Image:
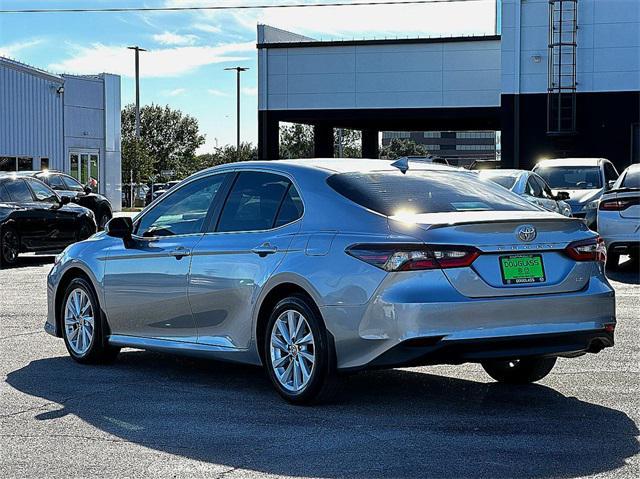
[314, 268]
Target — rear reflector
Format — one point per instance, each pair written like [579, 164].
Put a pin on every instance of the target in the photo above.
[619, 204]
[592, 249]
[414, 257]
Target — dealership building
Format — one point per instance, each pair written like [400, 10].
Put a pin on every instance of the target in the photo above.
[69, 123]
[558, 78]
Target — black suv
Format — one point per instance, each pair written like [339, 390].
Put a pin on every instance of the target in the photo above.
[68, 186]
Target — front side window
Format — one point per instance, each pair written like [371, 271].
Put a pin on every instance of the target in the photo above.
[610, 173]
[393, 194]
[571, 177]
[72, 184]
[54, 181]
[4, 196]
[253, 202]
[183, 211]
[533, 188]
[42, 192]
[18, 191]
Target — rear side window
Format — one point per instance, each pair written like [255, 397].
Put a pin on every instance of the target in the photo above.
[291, 208]
[54, 181]
[392, 193]
[18, 191]
[253, 202]
[72, 184]
[506, 181]
[631, 179]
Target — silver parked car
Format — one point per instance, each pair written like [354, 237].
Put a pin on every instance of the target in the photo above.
[531, 187]
[619, 217]
[317, 267]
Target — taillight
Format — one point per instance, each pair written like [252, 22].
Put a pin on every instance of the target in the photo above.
[592, 249]
[618, 204]
[414, 257]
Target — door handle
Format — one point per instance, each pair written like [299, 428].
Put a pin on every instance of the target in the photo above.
[180, 252]
[264, 249]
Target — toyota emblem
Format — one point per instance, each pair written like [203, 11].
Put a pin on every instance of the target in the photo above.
[526, 233]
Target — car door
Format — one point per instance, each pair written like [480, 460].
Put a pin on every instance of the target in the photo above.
[145, 280]
[61, 224]
[239, 253]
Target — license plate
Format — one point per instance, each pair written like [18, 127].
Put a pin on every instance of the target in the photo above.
[522, 269]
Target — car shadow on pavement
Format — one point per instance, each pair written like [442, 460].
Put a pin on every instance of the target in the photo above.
[396, 423]
[31, 260]
[626, 272]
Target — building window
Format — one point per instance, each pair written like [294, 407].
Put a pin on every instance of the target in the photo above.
[11, 163]
[85, 167]
[476, 147]
[44, 163]
[431, 134]
[432, 147]
[475, 134]
[390, 135]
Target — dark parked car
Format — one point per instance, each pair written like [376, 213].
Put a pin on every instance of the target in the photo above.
[68, 186]
[160, 189]
[33, 218]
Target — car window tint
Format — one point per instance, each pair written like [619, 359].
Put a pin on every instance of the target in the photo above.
[533, 188]
[4, 196]
[18, 191]
[54, 181]
[291, 208]
[631, 179]
[253, 202]
[41, 191]
[182, 211]
[610, 172]
[72, 184]
[545, 191]
[571, 177]
[391, 193]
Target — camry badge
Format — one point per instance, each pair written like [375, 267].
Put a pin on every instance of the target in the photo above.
[526, 233]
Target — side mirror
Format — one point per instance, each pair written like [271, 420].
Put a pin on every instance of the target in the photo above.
[64, 200]
[120, 227]
[562, 196]
[87, 190]
[610, 184]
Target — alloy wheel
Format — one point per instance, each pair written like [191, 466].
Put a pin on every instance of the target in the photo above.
[293, 353]
[79, 321]
[10, 246]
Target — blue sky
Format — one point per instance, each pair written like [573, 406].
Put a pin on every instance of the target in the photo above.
[189, 50]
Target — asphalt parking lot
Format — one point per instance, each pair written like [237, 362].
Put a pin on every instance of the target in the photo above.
[159, 416]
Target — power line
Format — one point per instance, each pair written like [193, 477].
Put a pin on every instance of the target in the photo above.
[233, 7]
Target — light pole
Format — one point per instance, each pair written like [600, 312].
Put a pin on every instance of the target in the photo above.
[238, 71]
[137, 49]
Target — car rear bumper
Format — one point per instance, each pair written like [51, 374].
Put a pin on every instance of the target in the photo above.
[441, 323]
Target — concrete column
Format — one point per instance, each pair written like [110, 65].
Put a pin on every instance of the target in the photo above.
[323, 141]
[268, 137]
[370, 144]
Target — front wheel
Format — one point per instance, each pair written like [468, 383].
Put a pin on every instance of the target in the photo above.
[82, 325]
[299, 359]
[9, 246]
[519, 371]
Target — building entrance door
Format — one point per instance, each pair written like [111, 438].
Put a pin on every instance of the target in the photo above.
[85, 167]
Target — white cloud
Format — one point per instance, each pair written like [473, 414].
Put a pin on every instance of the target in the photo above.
[168, 62]
[250, 91]
[214, 92]
[169, 38]
[13, 49]
[205, 27]
[176, 92]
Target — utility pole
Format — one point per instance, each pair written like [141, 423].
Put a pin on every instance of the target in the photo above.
[137, 49]
[238, 70]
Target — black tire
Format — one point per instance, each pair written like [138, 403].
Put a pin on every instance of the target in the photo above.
[613, 260]
[86, 230]
[323, 381]
[102, 219]
[98, 351]
[519, 371]
[9, 246]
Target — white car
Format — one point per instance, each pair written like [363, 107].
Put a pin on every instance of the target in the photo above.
[619, 217]
[531, 187]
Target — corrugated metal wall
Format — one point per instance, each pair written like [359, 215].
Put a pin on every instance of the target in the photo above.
[31, 116]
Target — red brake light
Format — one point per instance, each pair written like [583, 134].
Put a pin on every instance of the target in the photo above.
[592, 249]
[619, 204]
[414, 257]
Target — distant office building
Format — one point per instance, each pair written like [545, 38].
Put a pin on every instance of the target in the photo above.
[456, 146]
[63, 122]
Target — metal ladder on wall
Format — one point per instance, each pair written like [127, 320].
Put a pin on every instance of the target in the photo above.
[561, 87]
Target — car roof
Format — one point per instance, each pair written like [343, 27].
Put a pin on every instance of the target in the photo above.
[331, 165]
[634, 167]
[502, 172]
[571, 162]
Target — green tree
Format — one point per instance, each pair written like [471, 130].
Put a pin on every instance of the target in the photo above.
[296, 141]
[399, 147]
[351, 144]
[226, 154]
[136, 161]
[170, 138]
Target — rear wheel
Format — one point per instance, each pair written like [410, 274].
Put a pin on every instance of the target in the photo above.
[86, 230]
[9, 246]
[613, 259]
[519, 371]
[298, 356]
[82, 325]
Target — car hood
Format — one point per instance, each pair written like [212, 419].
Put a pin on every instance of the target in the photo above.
[581, 197]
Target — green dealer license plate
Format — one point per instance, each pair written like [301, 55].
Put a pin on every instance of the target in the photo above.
[521, 269]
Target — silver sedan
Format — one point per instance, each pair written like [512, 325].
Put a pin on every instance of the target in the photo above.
[313, 268]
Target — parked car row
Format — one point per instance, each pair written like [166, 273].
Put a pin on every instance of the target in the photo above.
[313, 268]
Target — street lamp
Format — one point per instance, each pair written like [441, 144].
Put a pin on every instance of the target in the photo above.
[137, 49]
[238, 71]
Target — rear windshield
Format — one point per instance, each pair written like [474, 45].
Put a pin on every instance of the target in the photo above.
[506, 181]
[571, 177]
[631, 179]
[392, 193]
